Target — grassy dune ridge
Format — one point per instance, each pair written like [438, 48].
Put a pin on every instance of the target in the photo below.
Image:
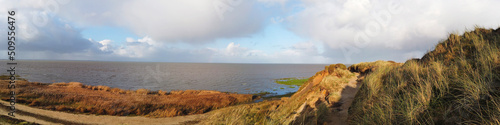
[458, 82]
[102, 100]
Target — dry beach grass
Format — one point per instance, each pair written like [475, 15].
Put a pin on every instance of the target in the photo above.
[456, 83]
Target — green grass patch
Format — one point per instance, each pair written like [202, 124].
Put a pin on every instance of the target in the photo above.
[291, 81]
[7, 77]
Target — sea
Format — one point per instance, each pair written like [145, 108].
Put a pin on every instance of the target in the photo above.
[226, 77]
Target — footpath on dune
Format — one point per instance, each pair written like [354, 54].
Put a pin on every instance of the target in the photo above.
[346, 100]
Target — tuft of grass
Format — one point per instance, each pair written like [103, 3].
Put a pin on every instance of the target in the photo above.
[142, 91]
[456, 83]
[367, 67]
[291, 81]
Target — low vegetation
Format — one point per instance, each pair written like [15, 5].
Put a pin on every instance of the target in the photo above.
[311, 104]
[291, 81]
[456, 83]
[367, 67]
[103, 100]
[7, 77]
[6, 120]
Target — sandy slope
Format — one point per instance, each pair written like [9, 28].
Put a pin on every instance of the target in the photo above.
[53, 117]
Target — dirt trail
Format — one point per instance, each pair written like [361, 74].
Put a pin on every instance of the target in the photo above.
[348, 93]
[46, 117]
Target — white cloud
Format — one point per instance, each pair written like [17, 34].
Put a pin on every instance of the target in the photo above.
[129, 40]
[133, 48]
[418, 26]
[281, 2]
[302, 52]
[393, 35]
[235, 49]
[106, 45]
[170, 21]
[140, 48]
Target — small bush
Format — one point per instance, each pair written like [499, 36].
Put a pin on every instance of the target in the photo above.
[142, 91]
[160, 92]
[103, 88]
[75, 84]
[117, 90]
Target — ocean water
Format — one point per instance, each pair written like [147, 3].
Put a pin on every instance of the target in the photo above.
[240, 78]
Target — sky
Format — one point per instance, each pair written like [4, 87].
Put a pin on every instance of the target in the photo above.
[239, 31]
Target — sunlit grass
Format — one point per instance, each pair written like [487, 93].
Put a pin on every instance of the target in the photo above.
[456, 83]
[291, 81]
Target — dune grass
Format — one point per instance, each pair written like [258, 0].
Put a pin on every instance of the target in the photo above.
[456, 83]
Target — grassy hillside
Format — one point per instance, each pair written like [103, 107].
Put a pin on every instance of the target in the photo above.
[457, 82]
[312, 104]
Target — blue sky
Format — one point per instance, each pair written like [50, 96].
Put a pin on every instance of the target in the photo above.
[237, 31]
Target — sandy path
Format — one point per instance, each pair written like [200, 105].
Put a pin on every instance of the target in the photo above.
[53, 117]
[348, 94]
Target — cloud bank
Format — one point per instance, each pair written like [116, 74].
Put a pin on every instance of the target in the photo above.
[367, 27]
[339, 31]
